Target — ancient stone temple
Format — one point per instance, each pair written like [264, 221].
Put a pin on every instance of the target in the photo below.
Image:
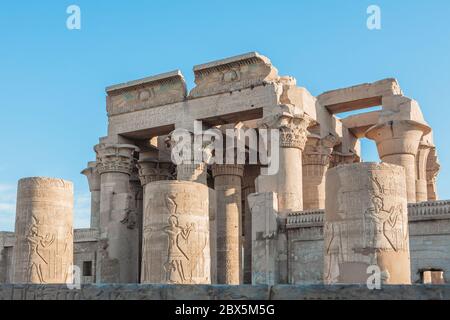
[322, 215]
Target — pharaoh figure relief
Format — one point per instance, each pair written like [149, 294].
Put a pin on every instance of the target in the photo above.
[366, 224]
[41, 247]
[176, 238]
[177, 267]
[384, 227]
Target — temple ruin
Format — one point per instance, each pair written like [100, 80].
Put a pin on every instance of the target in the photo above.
[324, 217]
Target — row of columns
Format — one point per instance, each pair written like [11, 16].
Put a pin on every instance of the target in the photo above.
[304, 159]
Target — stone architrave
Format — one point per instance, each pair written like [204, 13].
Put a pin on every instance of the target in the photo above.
[176, 246]
[366, 224]
[43, 253]
[118, 260]
[93, 177]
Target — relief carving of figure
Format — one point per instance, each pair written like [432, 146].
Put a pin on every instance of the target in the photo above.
[177, 266]
[384, 222]
[177, 261]
[37, 242]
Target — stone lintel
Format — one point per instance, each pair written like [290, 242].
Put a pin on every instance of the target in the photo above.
[360, 96]
[146, 93]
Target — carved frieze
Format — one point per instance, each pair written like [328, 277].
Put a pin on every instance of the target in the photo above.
[235, 73]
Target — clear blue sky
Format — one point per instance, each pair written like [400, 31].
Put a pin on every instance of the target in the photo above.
[52, 80]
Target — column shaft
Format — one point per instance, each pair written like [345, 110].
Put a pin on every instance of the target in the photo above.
[118, 257]
[43, 253]
[227, 184]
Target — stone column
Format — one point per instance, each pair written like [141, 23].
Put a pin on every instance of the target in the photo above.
[251, 172]
[119, 247]
[292, 126]
[397, 143]
[94, 186]
[421, 173]
[43, 253]
[227, 184]
[433, 168]
[288, 182]
[316, 160]
[176, 233]
[366, 224]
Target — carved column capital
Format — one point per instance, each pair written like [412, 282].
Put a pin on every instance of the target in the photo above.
[293, 126]
[115, 158]
[93, 176]
[227, 170]
[151, 170]
[397, 137]
[318, 150]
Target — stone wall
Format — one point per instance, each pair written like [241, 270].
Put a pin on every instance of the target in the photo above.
[223, 292]
[85, 253]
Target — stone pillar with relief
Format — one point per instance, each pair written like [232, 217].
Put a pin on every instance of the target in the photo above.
[43, 251]
[398, 142]
[118, 256]
[316, 160]
[366, 224]
[228, 188]
[176, 246]
[93, 177]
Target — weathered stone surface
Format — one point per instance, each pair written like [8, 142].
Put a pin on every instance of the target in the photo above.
[176, 246]
[43, 252]
[265, 239]
[366, 224]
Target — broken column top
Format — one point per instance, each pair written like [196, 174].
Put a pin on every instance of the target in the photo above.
[234, 73]
[146, 93]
